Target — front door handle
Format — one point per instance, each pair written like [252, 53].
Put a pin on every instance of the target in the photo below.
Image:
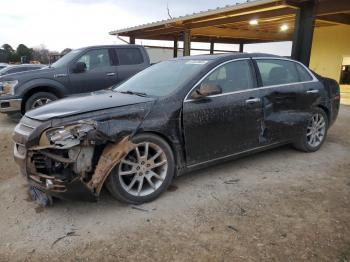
[110, 74]
[252, 100]
[312, 91]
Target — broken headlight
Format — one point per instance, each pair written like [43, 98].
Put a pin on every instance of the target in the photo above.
[68, 135]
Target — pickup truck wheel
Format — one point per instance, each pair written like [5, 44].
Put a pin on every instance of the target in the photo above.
[144, 172]
[315, 132]
[39, 99]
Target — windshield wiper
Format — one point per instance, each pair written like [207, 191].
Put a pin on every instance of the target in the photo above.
[133, 93]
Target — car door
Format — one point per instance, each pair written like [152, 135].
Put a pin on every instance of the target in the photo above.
[130, 62]
[100, 72]
[284, 104]
[220, 125]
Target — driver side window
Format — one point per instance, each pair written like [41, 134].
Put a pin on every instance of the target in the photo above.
[95, 59]
[231, 77]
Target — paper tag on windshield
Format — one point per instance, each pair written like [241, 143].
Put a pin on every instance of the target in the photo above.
[196, 62]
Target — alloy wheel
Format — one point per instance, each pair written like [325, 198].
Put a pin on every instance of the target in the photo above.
[143, 170]
[316, 130]
[40, 102]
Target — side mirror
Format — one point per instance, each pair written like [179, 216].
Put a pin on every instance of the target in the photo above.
[206, 90]
[79, 67]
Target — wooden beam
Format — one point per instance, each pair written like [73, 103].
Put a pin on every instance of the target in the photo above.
[187, 43]
[339, 19]
[241, 47]
[212, 47]
[241, 18]
[217, 39]
[243, 34]
[132, 40]
[175, 47]
[328, 7]
[303, 33]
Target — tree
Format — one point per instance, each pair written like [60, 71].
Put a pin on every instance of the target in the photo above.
[65, 51]
[24, 53]
[8, 53]
[8, 48]
[3, 56]
[41, 54]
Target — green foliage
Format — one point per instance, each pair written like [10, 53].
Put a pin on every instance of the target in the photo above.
[24, 54]
[3, 56]
[21, 54]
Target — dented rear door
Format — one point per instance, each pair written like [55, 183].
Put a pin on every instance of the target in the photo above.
[283, 99]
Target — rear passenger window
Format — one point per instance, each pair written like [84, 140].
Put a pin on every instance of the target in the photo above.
[277, 72]
[129, 56]
[303, 74]
[231, 77]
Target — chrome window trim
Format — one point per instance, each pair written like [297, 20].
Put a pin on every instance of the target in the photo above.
[314, 79]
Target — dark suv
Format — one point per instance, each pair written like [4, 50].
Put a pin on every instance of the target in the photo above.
[82, 70]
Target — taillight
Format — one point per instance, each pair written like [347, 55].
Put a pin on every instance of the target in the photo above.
[337, 97]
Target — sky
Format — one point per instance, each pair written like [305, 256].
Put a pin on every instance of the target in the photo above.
[59, 24]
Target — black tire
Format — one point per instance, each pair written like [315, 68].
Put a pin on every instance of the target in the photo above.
[302, 143]
[114, 184]
[40, 95]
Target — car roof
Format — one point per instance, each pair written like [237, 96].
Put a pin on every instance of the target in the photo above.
[227, 56]
[109, 46]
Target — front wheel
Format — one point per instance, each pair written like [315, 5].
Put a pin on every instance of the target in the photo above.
[144, 172]
[315, 132]
[39, 99]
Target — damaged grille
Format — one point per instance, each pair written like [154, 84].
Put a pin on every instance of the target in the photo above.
[46, 170]
[39, 162]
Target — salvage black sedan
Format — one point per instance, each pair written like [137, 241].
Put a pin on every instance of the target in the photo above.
[173, 117]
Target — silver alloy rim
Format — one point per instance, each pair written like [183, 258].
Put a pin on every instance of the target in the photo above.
[143, 170]
[316, 130]
[40, 102]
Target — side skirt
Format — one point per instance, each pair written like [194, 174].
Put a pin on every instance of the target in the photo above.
[231, 157]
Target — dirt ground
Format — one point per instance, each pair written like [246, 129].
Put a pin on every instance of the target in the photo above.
[279, 205]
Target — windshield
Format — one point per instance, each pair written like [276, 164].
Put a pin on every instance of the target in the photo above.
[64, 60]
[3, 70]
[163, 78]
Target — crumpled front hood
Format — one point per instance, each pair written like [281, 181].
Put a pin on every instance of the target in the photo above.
[85, 103]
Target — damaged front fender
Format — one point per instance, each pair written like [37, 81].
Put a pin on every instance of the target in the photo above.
[74, 161]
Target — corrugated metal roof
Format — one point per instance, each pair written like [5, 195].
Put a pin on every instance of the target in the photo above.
[200, 14]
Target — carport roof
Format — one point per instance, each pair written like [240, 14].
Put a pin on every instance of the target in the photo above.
[230, 24]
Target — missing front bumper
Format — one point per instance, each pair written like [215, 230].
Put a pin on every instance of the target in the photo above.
[73, 182]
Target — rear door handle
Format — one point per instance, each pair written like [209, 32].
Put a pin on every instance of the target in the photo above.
[110, 74]
[252, 100]
[312, 91]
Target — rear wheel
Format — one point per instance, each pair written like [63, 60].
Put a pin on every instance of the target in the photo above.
[314, 133]
[39, 99]
[144, 172]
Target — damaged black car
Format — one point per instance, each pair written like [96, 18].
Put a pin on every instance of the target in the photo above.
[174, 117]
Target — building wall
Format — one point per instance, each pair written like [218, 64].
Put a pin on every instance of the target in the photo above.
[329, 46]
